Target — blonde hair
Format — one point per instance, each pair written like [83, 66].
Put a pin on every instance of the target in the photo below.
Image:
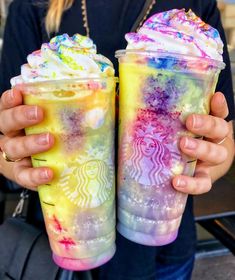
[3, 12]
[54, 14]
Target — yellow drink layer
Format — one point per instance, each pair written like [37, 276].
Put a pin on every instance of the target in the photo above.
[157, 93]
[78, 205]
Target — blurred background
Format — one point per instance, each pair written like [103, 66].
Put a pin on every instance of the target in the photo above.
[227, 9]
[3, 13]
[214, 211]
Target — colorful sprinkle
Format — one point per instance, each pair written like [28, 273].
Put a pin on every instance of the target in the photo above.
[67, 242]
[180, 32]
[65, 57]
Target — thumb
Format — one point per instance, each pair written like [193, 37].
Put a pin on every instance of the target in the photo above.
[219, 107]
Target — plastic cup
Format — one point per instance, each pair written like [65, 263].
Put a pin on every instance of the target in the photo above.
[78, 205]
[157, 92]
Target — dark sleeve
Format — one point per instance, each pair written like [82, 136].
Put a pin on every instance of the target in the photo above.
[212, 17]
[22, 36]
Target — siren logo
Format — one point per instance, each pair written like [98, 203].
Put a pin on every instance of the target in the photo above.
[149, 161]
[149, 155]
[87, 184]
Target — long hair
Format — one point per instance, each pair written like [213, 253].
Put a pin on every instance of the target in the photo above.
[54, 14]
[3, 12]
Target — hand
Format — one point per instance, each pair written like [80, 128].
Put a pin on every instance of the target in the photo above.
[14, 117]
[208, 152]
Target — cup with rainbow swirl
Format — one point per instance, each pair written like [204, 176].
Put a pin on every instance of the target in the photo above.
[168, 71]
[75, 86]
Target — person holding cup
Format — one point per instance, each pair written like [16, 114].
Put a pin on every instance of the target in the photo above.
[213, 159]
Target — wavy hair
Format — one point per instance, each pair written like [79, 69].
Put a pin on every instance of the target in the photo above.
[54, 14]
[3, 12]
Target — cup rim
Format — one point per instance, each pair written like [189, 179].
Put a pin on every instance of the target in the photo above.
[60, 81]
[160, 53]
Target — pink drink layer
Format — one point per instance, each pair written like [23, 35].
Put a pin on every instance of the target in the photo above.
[84, 264]
[157, 92]
[78, 205]
[146, 239]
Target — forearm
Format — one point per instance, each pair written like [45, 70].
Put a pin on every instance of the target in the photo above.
[219, 170]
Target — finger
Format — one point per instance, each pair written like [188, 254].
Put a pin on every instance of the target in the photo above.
[25, 146]
[199, 184]
[208, 126]
[14, 119]
[219, 106]
[31, 178]
[11, 98]
[205, 151]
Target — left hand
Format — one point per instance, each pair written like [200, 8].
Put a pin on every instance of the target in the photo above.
[208, 152]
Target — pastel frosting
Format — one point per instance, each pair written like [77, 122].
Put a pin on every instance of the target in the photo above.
[177, 31]
[65, 57]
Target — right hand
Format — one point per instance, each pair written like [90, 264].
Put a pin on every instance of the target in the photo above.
[14, 117]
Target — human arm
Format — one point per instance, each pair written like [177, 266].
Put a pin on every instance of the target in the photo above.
[22, 36]
[213, 160]
[14, 117]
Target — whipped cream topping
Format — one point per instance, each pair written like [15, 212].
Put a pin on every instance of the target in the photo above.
[65, 57]
[177, 31]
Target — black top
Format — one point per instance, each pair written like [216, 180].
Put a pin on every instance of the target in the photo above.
[108, 22]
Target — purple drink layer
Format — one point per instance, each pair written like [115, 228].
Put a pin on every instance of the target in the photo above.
[85, 264]
[157, 93]
[78, 204]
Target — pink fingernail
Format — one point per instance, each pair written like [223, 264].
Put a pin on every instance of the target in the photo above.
[190, 144]
[43, 139]
[180, 183]
[222, 99]
[197, 121]
[32, 113]
[44, 174]
[10, 95]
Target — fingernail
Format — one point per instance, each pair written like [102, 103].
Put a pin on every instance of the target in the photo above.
[180, 183]
[10, 95]
[43, 139]
[44, 174]
[32, 113]
[190, 143]
[222, 100]
[197, 121]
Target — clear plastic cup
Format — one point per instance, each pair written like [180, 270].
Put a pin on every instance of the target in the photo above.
[78, 205]
[157, 92]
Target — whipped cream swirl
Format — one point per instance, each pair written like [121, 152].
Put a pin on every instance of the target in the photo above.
[65, 57]
[177, 31]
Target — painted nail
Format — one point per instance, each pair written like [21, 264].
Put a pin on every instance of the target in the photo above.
[197, 121]
[44, 174]
[223, 101]
[10, 95]
[43, 139]
[32, 113]
[190, 144]
[180, 183]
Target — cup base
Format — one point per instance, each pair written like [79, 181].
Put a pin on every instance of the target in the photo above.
[86, 263]
[146, 239]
